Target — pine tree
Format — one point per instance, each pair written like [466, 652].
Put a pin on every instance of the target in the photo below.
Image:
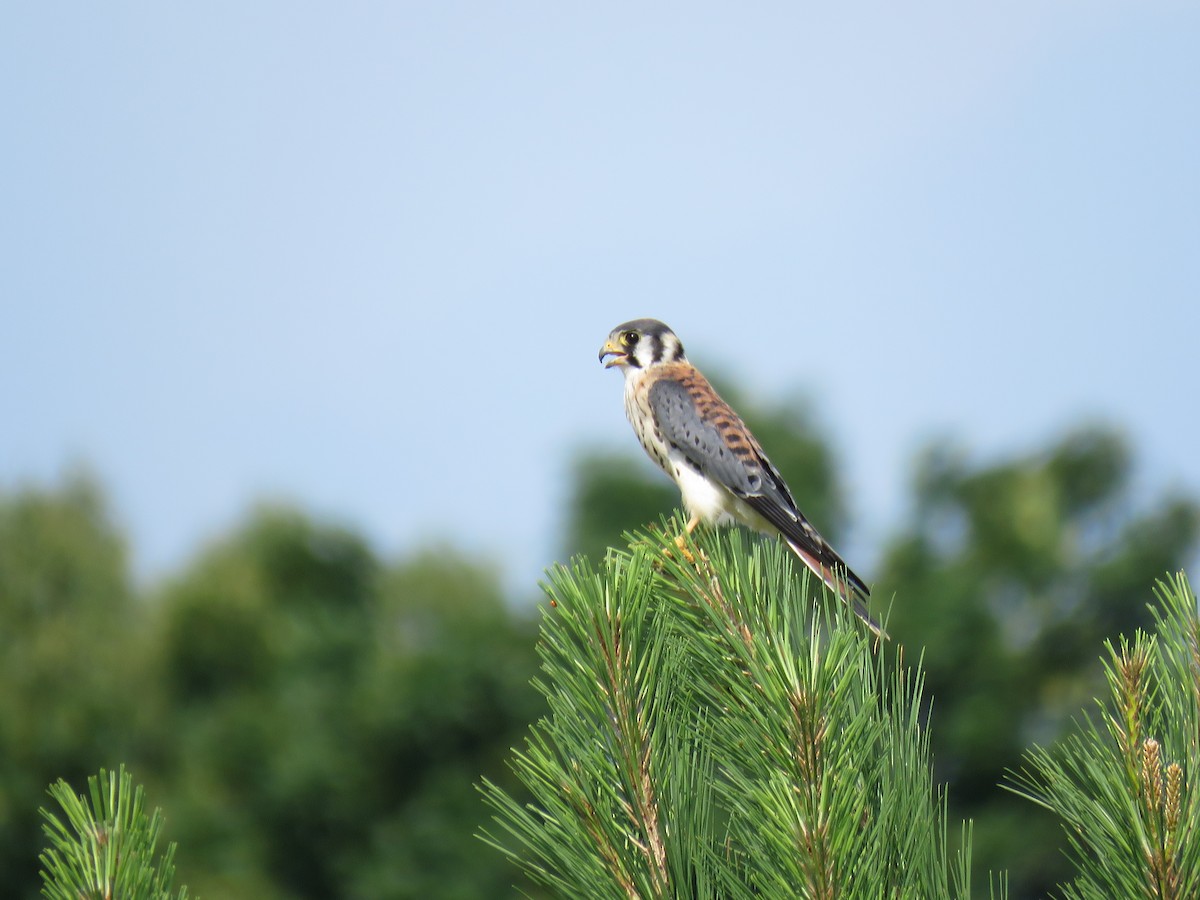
[106, 849]
[711, 733]
[1124, 784]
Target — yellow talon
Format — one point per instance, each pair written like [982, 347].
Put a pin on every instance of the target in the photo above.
[681, 543]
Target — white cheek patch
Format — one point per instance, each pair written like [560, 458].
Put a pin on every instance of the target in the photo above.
[644, 353]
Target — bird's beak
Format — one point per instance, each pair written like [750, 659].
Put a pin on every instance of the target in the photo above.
[611, 348]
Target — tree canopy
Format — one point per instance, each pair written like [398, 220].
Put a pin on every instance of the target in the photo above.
[313, 717]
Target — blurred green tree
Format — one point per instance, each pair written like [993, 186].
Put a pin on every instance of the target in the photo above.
[449, 690]
[312, 720]
[332, 715]
[1008, 579]
[70, 657]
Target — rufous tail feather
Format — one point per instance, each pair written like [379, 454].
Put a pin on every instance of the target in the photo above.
[840, 586]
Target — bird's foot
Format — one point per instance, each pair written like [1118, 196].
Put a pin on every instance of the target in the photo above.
[694, 556]
[681, 543]
[688, 556]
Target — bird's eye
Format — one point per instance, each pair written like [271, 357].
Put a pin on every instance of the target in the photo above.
[629, 338]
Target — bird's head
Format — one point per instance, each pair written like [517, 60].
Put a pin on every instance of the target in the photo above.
[640, 344]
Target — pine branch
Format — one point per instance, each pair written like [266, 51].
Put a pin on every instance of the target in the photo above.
[712, 733]
[105, 850]
[1121, 784]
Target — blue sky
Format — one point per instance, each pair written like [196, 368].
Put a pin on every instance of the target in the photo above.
[363, 255]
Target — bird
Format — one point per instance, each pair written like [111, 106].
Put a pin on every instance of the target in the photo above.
[722, 472]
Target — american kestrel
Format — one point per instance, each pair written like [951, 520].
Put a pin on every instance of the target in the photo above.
[722, 472]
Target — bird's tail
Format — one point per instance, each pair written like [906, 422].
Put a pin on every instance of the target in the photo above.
[845, 584]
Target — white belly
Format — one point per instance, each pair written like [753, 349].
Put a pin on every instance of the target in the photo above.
[701, 498]
[709, 501]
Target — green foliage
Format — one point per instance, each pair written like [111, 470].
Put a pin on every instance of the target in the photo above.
[108, 848]
[1120, 784]
[1005, 577]
[711, 735]
[335, 712]
[72, 651]
[313, 718]
[1009, 577]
